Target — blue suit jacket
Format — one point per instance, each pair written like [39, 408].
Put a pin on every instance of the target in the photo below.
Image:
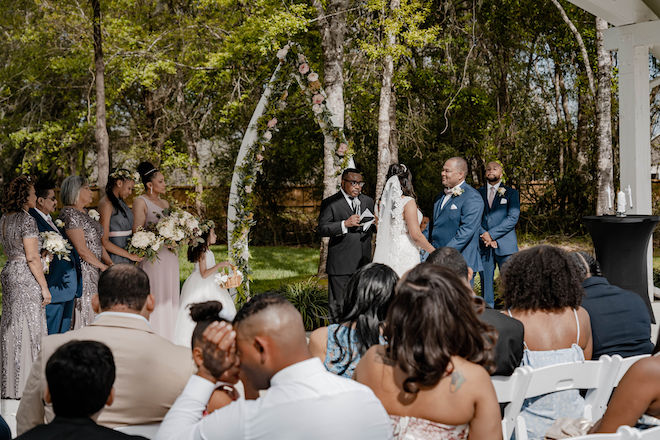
[457, 224]
[500, 220]
[64, 277]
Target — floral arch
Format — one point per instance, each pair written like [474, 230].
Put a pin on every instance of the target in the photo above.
[293, 65]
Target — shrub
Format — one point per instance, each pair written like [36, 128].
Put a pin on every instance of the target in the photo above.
[311, 300]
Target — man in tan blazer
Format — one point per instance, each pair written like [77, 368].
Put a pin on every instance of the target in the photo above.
[151, 371]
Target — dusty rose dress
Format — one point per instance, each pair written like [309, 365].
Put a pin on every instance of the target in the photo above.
[163, 275]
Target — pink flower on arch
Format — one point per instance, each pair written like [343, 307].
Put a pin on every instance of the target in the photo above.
[260, 157]
[272, 123]
[303, 68]
[341, 150]
[317, 99]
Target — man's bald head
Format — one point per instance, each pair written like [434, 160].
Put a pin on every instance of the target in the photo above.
[460, 164]
[454, 171]
[270, 336]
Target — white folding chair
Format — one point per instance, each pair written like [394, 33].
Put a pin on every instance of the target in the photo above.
[648, 434]
[511, 390]
[149, 430]
[594, 376]
[625, 364]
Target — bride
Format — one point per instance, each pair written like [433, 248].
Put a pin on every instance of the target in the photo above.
[399, 236]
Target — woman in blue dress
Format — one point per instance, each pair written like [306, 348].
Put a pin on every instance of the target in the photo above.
[369, 293]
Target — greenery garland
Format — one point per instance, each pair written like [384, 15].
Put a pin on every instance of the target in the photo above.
[294, 66]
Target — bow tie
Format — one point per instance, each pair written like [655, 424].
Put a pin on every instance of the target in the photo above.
[449, 191]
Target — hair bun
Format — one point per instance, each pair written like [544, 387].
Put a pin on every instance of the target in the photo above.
[206, 311]
[145, 168]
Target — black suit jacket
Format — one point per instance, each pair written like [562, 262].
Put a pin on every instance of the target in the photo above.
[346, 252]
[60, 271]
[62, 428]
[509, 346]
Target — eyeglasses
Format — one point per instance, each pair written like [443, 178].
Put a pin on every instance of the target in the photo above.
[359, 183]
[52, 199]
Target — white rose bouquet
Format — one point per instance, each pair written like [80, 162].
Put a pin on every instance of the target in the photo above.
[94, 214]
[145, 244]
[54, 245]
[170, 230]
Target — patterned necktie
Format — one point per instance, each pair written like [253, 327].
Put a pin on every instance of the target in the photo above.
[491, 196]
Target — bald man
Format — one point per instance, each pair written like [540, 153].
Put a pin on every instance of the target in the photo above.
[457, 214]
[303, 401]
[498, 227]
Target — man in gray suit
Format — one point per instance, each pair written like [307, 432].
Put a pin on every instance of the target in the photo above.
[151, 371]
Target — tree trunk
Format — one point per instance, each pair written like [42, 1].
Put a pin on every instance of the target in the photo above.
[332, 25]
[194, 171]
[604, 121]
[100, 130]
[385, 110]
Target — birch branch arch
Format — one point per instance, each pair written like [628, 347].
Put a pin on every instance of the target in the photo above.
[292, 66]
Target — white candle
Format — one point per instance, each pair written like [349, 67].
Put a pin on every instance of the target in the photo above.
[609, 196]
[630, 196]
[621, 202]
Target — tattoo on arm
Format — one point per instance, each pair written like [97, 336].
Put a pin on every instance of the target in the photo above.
[457, 379]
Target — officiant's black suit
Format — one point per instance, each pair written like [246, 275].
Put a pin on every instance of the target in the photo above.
[346, 252]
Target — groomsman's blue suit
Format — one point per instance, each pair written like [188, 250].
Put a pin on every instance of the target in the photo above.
[64, 282]
[457, 224]
[500, 222]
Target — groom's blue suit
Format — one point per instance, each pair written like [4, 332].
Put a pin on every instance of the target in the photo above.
[64, 283]
[457, 224]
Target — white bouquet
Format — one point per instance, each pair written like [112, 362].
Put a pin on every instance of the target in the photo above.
[170, 230]
[55, 246]
[229, 281]
[94, 214]
[144, 244]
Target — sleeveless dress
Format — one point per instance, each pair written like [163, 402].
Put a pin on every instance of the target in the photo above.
[23, 321]
[121, 230]
[163, 275]
[402, 253]
[334, 362]
[541, 412]
[413, 428]
[195, 290]
[83, 313]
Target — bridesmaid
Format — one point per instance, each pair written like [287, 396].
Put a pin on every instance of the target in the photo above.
[117, 217]
[163, 272]
[85, 234]
[25, 291]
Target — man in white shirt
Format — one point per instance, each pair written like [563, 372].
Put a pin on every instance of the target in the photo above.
[151, 371]
[304, 400]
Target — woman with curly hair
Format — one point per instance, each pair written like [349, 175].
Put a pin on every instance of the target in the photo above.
[543, 290]
[432, 377]
[25, 291]
[117, 217]
[368, 295]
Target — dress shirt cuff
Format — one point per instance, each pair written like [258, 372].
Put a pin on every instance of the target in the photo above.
[344, 229]
[199, 389]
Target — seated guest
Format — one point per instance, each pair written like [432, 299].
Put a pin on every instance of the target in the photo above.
[542, 289]
[510, 332]
[620, 322]
[80, 375]
[367, 298]
[431, 376]
[204, 354]
[151, 371]
[304, 401]
[636, 396]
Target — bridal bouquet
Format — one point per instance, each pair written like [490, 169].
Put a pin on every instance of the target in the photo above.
[229, 281]
[56, 246]
[145, 244]
[178, 227]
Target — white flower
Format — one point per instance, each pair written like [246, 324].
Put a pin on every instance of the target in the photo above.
[301, 58]
[221, 278]
[317, 109]
[59, 223]
[94, 214]
[55, 244]
[281, 54]
[317, 99]
[457, 191]
[248, 189]
[501, 191]
[268, 135]
[313, 77]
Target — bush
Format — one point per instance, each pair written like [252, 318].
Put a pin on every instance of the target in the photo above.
[311, 300]
[656, 277]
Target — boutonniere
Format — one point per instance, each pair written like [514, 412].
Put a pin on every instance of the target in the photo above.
[501, 191]
[59, 223]
[94, 214]
[457, 191]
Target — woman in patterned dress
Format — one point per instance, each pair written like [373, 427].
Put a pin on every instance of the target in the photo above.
[85, 234]
[25, 291]
[117, 217]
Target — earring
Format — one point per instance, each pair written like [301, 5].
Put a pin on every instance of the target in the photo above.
[151, 190]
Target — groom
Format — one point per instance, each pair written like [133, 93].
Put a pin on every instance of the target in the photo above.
[64, 277]
[457, 214]
[350, 244]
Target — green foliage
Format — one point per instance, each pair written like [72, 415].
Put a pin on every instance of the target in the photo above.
[311, 300]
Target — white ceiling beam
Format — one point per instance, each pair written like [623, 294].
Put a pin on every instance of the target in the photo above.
[639, 34]
[621, 12]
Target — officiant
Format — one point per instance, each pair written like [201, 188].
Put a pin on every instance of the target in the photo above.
[347, 218]
[64, 277]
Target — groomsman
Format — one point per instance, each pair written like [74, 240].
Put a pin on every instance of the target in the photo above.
[498, 227]
[350, 244]
[64, 277]
[457, 214]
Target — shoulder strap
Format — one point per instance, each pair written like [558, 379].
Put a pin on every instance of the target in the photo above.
[577, 323]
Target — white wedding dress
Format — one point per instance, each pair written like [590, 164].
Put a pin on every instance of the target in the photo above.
[394, 247]
[195, 290]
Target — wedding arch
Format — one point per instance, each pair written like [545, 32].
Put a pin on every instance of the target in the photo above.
[293, 65]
